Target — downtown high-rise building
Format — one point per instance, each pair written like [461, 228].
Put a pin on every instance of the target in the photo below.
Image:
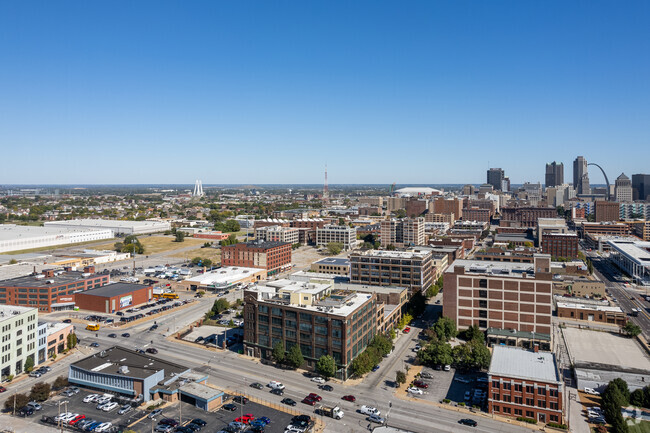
[581, 176]
[495, 177]
[554, 174]
[641, 187]
[623, 189]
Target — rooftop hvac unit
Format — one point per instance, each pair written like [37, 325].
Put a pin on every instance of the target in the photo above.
[124, 369]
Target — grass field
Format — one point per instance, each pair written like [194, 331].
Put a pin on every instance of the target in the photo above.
[159, 244]
[205, 253]
[641, 427]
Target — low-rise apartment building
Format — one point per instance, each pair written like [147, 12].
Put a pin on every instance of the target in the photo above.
[412, 269]
[332, 265]
[500, 295]
[272, 256]
[278, 234]
[525, 383]
[18, 338]
[347, 236]
[316, 317]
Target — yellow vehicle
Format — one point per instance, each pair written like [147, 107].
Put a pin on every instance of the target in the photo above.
[92, 326]
[166, 295]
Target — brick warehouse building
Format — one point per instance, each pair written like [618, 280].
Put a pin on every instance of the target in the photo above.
[114, 297]
[525, 383]
[51, 290]
[272, 256]
[560, 245]
[500, 295]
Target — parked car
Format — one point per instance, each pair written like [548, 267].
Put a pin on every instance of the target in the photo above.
[67, 321]
[591, 391]
[110, 406]
[163, 428]
[420, 384]
[26, 411]
[3, 389]
[154, 413]
[375, 368]
[414, 390]
[34, 405]
[35, 374]
[168, 421]
[199, 421]
[240, 399]
[152, 350]
[407, 330]
[231, 407]
[125, 409]
[90, 398]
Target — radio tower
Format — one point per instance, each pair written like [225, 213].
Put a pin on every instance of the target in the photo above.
[326, 191]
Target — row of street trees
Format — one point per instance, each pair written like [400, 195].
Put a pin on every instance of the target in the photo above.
[471, 355]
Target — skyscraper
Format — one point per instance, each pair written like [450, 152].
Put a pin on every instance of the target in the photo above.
[623, 191]
[581, 176]
[641, 187]
[495, 178]
[554, 174]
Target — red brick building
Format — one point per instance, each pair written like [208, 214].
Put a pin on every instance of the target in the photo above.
[606, 211]
[272, 256]
[476, 214]
[527, 216]
[560, 245]
[525, 383]
[51, 290]
[114, 297]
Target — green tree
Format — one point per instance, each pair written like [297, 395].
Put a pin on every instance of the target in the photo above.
[334, 248]
[382, 343]
[612, 401]
[118, 246]
[638, 398]
[405, 320]
[392, 333]
[622, 386]
[590, 266]
[400, 213]
[432, 291]
[400, 378]
[60, 382]
[72, 340]
[17, 400]
[473, 333]
[436, 353]
[220, 305]
[179, 237]
[231, 240]
[29, 363]
[631, 329]
[479, 355]
[445, 328]
[362, 364]
[326, 366]
[40, 391]
[294, 358]
[417, 304]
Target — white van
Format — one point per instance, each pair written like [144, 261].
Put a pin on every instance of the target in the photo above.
[369, 410]
[275, 385]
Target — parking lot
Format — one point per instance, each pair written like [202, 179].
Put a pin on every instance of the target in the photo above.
[455, 386]
[137, 418]
[216, 335]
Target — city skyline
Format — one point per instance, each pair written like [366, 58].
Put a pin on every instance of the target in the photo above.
[269, 94]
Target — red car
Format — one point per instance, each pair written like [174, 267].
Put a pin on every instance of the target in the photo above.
[76, 419]
[407, 330]
[349, 398]
[315, 397]
[245, 419]
[2, 389]
[421, 384]
[309, 401]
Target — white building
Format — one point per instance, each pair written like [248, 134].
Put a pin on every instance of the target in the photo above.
[623, 189]
[342, 234]
[18, 335]
[278, 234]
[15, 238]
[117, 226]
[633, 257]
[402, 232]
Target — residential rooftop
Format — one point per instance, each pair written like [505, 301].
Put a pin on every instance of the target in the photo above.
[9, 311]
[223, 276]
[500, 269]
[336, 261]
[523, 364]
[262, 244]
[394, 254]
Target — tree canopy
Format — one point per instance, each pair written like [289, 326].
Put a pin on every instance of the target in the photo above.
[334, 248]
[294, 357]
[326, 366]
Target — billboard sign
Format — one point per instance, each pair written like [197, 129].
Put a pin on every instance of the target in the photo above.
[125, 301]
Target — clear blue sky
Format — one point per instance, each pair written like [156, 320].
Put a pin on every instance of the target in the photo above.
[270, 91]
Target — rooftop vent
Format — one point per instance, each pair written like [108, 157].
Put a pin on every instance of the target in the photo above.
[123, 369]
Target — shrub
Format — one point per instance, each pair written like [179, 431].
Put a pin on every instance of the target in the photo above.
[462, 404]
[528, 420]
[446, 400]
[556, 425]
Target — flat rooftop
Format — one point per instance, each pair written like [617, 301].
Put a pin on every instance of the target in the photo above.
[224, 276]
[591, 307]
[334, 261]
[42, 281]
[54, 327]
[385, 254]
[523, 364]
[10, 232]
[9, 311]
[500, 269]
[262, 244]
[115, 289]
[140, 366]
[106, 223]
[638, 251]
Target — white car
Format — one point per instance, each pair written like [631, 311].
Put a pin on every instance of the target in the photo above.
[109, 406]
[69, 417]
[103, 400]
[103, 427]
[414, 390]
[318, 379]
[274, 384]
[591, 391]
[90, 398]
[369, 410]
[294, 429]
[62, 415]
[376, 418]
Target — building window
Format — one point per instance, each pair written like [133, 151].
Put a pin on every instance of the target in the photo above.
[530, 414]
[482, 294]
[482, 283]
[541, 403]
[530, 402]
[518, 412]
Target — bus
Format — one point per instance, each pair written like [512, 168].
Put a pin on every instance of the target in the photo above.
[92, 327]
[166, 295]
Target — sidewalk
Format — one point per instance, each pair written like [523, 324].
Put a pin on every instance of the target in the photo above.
[577, 422]
[19, 425]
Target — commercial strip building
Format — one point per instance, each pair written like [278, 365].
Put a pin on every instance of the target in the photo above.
[347, 236]
[525, 383]
[117, 227]
[56, 337]
[500, 295]
[591, 312]
[332, 265]
[114, 297]
[18, 336]
[143, 377]
[403, 232]
[274, 257]
[14, 237]
[411, 269]
[224, 279]
[633, 257]
[316, 317]
[51, 290]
